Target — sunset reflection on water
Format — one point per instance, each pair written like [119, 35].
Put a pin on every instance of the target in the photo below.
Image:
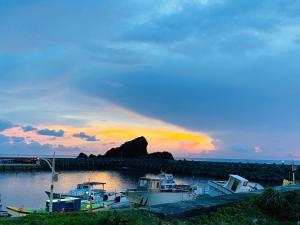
[28, 189]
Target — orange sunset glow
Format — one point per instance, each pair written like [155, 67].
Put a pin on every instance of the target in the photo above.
[160, 136]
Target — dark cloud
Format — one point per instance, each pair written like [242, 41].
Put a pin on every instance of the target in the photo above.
[17, 139]
[5, 125]
[86, 137]
[4, 139]
[53, 133]
[28, 128]
[35, 148]
[11, 140]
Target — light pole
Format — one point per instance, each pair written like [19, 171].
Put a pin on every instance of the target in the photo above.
[53, 179]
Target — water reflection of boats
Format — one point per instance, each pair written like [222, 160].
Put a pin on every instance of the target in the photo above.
[3, 213]
[235, 184]
[160, 190]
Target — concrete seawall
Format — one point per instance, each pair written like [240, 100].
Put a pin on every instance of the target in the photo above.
[219, 170]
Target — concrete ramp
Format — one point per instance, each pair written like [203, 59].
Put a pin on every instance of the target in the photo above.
[205, 204]
[201, 205]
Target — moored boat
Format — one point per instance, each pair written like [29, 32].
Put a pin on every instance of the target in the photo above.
[89, 191]
[235, 184]
[67, 204]
[153, 191]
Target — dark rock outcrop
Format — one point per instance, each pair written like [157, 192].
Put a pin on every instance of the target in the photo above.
[82, 156]
[132, 149]
[136, 148]
[161, 155]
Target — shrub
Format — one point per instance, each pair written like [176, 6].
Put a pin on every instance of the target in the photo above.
[280, 205]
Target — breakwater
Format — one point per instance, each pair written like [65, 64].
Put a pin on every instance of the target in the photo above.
[218, 170]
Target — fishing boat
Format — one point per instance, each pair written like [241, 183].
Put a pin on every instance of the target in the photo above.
[3, 213]
[235, 184]
[160, 190]
[67, 204]
[92, 192]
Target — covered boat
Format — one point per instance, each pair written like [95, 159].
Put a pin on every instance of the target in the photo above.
[235, 184]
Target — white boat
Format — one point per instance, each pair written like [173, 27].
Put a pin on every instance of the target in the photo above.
[235, 184]
[153, 191]
[88, 191]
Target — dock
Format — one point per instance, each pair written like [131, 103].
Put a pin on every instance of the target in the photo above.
[205, 204]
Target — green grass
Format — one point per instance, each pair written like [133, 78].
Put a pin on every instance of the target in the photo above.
[270, 208]
[127, 217]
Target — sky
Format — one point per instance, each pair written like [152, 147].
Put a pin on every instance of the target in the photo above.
[198, 78]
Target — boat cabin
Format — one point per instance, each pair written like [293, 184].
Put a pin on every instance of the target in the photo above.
[86, 189]
[167, 182]
[151, 184]
[89, 185]
[68, 204]
[236, 183]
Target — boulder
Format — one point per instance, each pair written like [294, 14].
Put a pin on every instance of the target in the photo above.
[82, 156]
[92, 156]
[161, 155]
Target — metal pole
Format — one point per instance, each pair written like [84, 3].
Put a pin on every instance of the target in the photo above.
[53, 173]
[52, 184]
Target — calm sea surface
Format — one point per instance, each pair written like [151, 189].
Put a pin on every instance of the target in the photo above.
[27, 189]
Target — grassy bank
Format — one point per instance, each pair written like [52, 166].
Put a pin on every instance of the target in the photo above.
[271, 208]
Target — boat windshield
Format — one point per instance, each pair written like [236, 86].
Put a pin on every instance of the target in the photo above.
[80, 186]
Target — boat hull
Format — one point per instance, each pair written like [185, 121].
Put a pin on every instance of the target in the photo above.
[217, 189]
[16, 211]
[86, 207]
[144, 198]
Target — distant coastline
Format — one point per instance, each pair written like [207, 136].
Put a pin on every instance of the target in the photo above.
[259, 161]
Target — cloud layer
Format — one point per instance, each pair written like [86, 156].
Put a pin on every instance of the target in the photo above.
[224, 68]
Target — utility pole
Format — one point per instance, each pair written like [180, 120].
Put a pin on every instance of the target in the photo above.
[53, 179]
[52, 184]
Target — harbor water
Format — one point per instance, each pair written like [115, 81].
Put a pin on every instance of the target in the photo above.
[27, 189]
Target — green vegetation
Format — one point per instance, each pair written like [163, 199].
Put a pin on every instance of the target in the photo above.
[270, 208]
